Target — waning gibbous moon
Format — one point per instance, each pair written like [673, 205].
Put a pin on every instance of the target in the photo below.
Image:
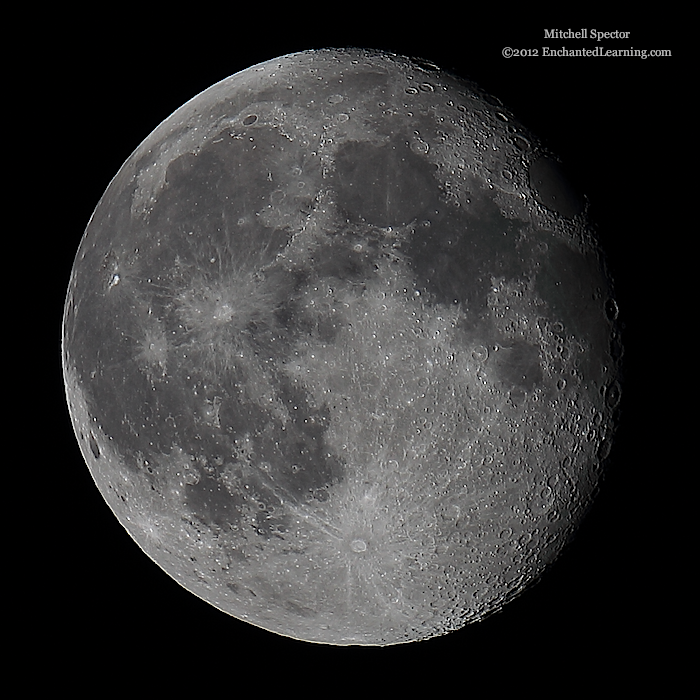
[341, 351]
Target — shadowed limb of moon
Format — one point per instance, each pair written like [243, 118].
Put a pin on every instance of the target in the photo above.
[340, 349]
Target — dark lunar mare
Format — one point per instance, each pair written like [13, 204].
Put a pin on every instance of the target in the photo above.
[193, 220]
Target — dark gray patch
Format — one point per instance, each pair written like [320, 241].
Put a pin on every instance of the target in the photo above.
[553, 189]
[272, 331]
[299, 458]
[210, 200]
[297, 609]
[94, 447]
[212, 503]
[190, 196]
[570, 283]
[518, 364]
[455, 257]
[238, 416]
[345, 261]
[385, 185]
[138, 419]
[291, 320]
[328, 328]
[268, 335]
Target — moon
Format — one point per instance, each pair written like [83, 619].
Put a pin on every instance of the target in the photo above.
[341, 350]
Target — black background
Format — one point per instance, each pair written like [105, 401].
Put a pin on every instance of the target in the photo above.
[612, 606]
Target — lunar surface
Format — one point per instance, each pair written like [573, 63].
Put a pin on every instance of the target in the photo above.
[340, 349]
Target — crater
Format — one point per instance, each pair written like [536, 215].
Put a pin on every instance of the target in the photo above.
[94, 447]
[358, 546]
